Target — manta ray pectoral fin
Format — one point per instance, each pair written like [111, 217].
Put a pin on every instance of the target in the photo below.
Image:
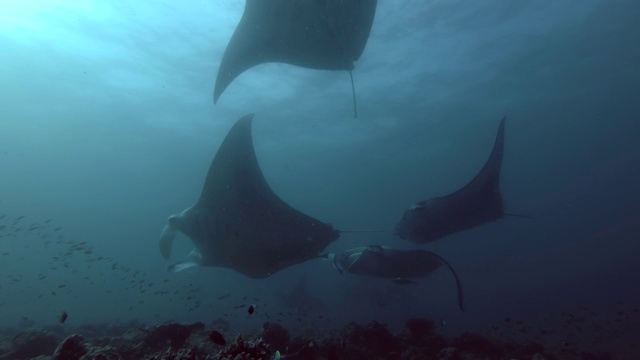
[193, 259]
[166, 239]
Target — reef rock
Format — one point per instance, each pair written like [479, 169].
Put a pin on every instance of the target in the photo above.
[373, 337]
[241, 350]
[176, 334]
[72, 348]
[478, 344]
[275, 336]
[182, 354]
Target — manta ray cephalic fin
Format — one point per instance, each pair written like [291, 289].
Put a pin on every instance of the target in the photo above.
[192, 260]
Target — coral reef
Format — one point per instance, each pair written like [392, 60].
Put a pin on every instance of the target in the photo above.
[275, 336]
[175, 334]
[419, 340]
[72, 348]
[241, 350]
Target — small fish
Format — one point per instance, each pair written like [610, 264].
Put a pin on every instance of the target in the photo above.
[250, 309]
[217, 338]
[277, 355]
[63, 317]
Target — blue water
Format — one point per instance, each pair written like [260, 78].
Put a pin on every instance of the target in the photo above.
[107, 127]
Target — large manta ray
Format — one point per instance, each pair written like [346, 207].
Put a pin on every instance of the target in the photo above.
[239, 222]
[387, 262]
[476, 203]
[317, 34]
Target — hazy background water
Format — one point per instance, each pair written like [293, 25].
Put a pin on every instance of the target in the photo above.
[107, 127]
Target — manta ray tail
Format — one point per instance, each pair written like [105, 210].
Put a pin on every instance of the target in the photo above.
[458, 284]
[353, 91]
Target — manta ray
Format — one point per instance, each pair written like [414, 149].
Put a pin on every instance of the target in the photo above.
[239, 222]
[387, 262]
[317, 34]
[476, 203]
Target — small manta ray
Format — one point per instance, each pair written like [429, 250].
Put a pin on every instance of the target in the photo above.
[383, 261]
[320, 34]
[476, 203]
[239, 222]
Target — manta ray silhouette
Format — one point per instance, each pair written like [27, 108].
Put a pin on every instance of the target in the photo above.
[478, 202]
[239, 222]
[325, 34]
[387, 262]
